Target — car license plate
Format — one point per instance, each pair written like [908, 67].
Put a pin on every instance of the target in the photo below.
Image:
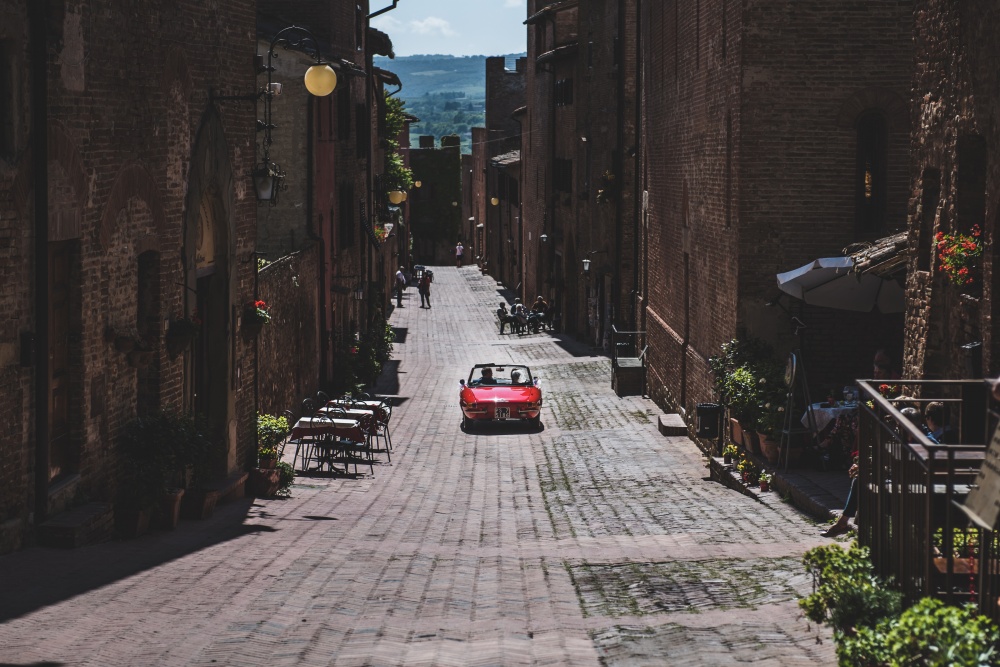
[503, 413]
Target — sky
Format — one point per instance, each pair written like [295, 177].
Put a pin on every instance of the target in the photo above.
[456, 27]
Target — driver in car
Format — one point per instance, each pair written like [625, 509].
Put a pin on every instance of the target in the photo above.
[487, 377]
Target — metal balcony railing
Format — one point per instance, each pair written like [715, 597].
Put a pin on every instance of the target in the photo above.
[911, 488]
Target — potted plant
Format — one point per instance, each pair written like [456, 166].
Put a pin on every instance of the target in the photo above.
[765, 481]
[147, 460]
[747, 470]
[182, 332]
[729, 452]
[266, 479]
[255, 315]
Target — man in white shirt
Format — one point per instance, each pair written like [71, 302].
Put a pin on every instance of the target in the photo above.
[400, 286]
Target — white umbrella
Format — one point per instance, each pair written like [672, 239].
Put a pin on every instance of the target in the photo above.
[829, 282]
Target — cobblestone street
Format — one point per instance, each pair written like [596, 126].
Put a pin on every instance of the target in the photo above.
[595, 541]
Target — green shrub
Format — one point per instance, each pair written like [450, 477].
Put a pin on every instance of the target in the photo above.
[286, 475]
[869, 629]
[846, 593]
[271, 434]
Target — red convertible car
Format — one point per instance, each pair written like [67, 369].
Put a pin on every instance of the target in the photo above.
[499, 393]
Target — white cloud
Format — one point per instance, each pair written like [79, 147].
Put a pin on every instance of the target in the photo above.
[432, 25]
[513, 3]
[387, 23]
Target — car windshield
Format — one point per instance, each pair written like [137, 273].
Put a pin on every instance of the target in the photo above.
[501, 375]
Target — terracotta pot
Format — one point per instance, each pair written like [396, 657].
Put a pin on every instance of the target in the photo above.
[131, 522]
[751, 441]
[268, 463]
[765, 486]
[169, 514]
[264, 483]
[727, 459]
[736, 431]
[769, 448]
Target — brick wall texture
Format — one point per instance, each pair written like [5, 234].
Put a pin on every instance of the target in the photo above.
[141, 165]
[749, 160]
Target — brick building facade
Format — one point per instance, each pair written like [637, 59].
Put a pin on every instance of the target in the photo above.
[580, 156]
[138, 211]
[955, 112]
[773, 134]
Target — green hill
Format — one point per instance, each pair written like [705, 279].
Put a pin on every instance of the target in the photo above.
[447, 93]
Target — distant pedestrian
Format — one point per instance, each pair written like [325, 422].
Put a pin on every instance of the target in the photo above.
[459, 251]
[424, 287]
[400, 286]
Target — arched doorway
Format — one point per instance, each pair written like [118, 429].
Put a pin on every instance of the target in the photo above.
[209, 386]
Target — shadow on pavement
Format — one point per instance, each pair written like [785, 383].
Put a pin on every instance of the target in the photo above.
[37, 577]
[400, 334]
[388, 382]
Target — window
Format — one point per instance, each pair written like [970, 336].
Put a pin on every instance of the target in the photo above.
[970, 186]
[8, 101]
[564, 92]
[364, 129]
[870, 178]
[562, 175]
[929, 198]
[346, 222]
[344, 112]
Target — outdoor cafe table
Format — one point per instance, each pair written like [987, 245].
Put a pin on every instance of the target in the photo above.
[353, 413]
[348, 429]
[824, 413]
[372, 405]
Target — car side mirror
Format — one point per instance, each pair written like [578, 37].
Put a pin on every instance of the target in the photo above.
[462, 382]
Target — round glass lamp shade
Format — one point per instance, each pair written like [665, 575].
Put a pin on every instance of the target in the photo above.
[320, 80]
[494, 201]
[417, 184]
[396, 197]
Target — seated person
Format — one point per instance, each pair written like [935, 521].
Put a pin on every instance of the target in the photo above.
[938, 430]
[515, 377]
[486, 376]
[505, 317]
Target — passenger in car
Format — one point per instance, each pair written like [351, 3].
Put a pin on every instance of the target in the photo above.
[487, 377]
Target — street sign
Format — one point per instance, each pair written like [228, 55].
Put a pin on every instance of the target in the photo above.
[983, 502]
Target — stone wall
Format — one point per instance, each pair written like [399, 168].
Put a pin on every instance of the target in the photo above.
[956, 114]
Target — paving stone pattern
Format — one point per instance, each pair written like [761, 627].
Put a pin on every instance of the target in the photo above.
[594, 541]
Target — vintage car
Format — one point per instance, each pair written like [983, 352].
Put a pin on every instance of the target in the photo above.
[500, 393]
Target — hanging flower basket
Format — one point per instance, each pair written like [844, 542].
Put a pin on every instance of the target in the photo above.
[182, 332]
[958, 255]
[255, 315]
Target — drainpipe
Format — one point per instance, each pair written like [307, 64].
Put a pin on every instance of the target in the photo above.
[314, 234]
[637, 209]
[383, 10]
[40, 178]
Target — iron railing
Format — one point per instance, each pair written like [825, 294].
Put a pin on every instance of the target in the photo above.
[911, 488]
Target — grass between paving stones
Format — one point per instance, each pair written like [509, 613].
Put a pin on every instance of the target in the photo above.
[638, 589]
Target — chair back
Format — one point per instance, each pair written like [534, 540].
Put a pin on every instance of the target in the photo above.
[308, 407]
[322, 398]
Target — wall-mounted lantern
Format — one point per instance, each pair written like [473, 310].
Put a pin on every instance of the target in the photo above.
[396, 197]
[495, 201]
[320, 80]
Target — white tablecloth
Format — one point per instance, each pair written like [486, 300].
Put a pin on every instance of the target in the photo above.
[824, 414]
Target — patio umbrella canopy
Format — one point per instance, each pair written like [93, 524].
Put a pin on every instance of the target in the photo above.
[831, 282]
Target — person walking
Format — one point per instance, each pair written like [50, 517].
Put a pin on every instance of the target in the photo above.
[424, 287]
[459, 251]
[400, 286]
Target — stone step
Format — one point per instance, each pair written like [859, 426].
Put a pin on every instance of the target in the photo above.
[87, 524]
[672, 424]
